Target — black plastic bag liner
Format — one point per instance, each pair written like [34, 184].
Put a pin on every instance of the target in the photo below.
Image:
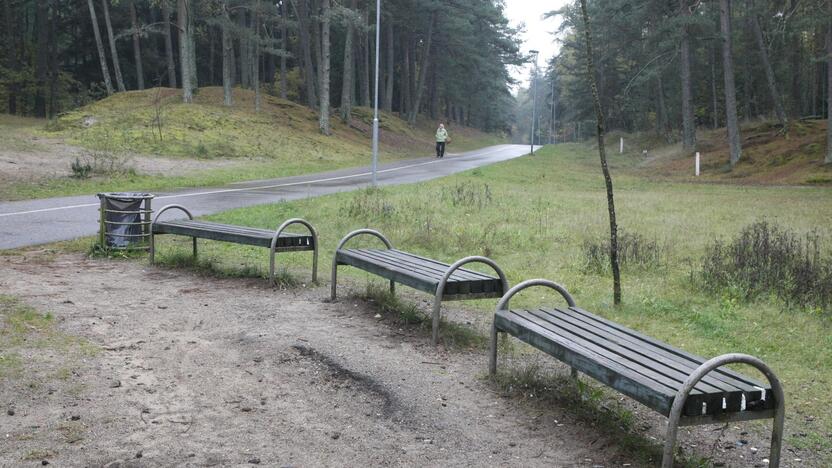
[124, 218]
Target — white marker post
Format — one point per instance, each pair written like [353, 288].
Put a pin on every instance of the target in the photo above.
[697, 164]
[621, 146]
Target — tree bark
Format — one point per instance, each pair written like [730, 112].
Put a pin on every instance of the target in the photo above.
[730, 89]
[137, 48]
[324, 70]
[255, 72]
[9, 35]
[41, 57]
[828, 159]
[302, 12]
[283, 44]
[599, 115]
[391, 62]
[715, 108]
[168, 44]
[183, 24]
[245, 56]
[661, 114]
[348, 85]
[227, 60]
[779, 111]
[364, 73]
[424, 65]
[102, 57]
[113, 50]
[688, 123]
[405, 79]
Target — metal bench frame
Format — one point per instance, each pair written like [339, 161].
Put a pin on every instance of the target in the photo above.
[440, 288]
[676, 417]
[273, 249]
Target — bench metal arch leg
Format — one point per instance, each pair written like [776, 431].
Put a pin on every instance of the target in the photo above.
[440, 289]
[156, 218]
[273, 247]
[358, 232]
[697, 375]
[503, 305]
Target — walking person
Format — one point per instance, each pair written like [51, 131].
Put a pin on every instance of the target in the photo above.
[441, 139]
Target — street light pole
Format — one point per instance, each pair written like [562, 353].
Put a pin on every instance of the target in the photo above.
[534, 98]
[375, 115]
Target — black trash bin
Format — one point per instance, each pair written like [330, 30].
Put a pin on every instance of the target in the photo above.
[124, 220]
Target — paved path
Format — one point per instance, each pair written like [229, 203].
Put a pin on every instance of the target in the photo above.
[33, 222]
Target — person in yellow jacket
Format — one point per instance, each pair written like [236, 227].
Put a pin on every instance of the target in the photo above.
[441, 138]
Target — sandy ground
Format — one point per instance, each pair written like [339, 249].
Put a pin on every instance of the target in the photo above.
[196, 371]
[34, 158]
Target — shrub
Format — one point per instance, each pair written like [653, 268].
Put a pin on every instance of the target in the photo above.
[634, 251]
[80, 170]
[766, 259]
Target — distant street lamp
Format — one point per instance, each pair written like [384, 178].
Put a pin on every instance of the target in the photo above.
[534, 98]
[375, 117]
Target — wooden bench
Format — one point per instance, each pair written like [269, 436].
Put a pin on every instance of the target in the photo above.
[275, 241]
[445, 282]
[688, 389]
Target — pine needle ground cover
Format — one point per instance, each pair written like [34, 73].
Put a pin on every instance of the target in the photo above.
[545, 216]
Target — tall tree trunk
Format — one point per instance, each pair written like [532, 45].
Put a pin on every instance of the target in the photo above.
[211, 56]
[113, 49]
[324, 70]
[779, 111]
[227, 59]
[405, 79]
[424, 65]
[302, 13]
[255, 72]
[828, 159]
[348, 85]
[391, 63]
[183, 24]
[661, 114]
[715, 104]
[599, 115]
[9, 36]
[102, 57]
[245, 56]
[688, 123]
[137, 48]
[283, 44]
[730, 89]
[168, 44]
[41, 57]
[364, 73]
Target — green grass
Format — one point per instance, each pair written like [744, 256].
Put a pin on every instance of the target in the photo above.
[25, 333]
[281, 140]
[534, 215]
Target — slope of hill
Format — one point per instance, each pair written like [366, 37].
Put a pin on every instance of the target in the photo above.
[150, 140]
[769, 157]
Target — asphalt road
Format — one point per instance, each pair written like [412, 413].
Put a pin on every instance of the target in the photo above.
[34, 222]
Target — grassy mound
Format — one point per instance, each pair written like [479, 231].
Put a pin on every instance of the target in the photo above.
[769, 157]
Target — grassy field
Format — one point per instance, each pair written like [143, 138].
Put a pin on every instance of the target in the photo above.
[280, 140]
[535, 216]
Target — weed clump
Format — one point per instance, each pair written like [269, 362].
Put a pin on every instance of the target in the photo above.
[468, 194]
[370, 204]
[634, 251]
[766, 259]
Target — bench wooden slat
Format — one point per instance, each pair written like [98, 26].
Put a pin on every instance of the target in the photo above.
[678, 352]
[398, 275]
[700, 394]
[597, 366]
[711, 395]
[235, 234]
[456, 286]
[441, 267]
[725, 381]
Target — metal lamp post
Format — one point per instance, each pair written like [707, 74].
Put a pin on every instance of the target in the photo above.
[534, 98]
[375, 115]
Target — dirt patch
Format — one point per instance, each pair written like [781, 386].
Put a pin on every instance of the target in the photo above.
[36, 159]
[196, 371]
